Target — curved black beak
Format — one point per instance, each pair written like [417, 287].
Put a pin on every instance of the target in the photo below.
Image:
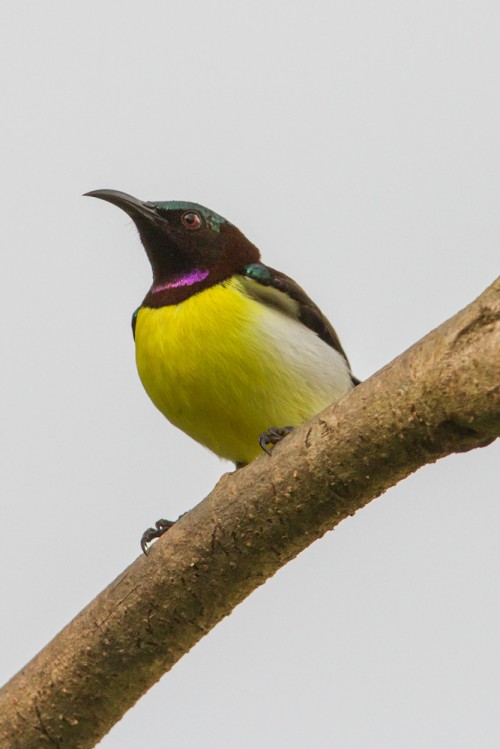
[133, 206]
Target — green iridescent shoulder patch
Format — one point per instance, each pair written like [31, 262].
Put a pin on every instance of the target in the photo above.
[258, 272]
[134, 320]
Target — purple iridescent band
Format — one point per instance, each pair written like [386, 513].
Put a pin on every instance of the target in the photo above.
[195, 276]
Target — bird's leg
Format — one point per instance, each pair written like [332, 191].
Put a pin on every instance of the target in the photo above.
[272, 436]
[161, 527]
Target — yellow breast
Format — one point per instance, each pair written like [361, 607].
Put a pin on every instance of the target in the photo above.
[224, 368]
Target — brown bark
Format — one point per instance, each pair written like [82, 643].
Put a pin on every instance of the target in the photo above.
[440, 396]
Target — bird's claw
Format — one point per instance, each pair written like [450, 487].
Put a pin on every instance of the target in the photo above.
[273, 436]
[161, 527]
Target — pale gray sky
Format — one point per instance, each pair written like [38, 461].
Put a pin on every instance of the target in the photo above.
[357, 144]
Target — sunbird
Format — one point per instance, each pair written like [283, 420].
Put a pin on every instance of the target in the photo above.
[230, 350]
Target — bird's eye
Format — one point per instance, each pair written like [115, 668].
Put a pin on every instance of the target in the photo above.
[191, 220]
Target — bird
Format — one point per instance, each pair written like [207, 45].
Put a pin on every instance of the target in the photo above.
[233, 352]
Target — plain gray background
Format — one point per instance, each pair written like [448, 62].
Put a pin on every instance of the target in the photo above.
[357, 144]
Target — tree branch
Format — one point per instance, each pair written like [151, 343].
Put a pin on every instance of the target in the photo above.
[440, 396]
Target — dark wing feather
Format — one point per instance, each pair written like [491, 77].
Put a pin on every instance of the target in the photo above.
[304, 308]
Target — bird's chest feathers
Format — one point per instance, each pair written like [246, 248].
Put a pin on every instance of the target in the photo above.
[192, 356]
[223, 367]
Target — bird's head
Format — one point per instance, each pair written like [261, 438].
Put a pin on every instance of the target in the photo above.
[189, 246]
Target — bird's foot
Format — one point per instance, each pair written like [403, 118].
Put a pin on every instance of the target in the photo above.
[272, 436]
[151, 534]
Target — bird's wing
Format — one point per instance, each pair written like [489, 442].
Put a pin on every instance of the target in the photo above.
[271, 287]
